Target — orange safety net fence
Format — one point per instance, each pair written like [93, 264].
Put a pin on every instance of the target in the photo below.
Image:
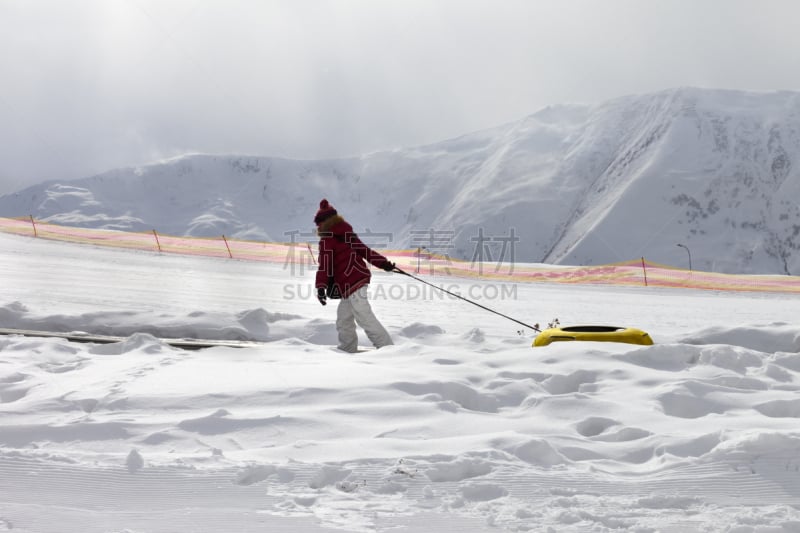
[638, 272]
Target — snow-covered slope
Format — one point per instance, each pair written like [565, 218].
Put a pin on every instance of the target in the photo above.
[716, 171]
[460, 426]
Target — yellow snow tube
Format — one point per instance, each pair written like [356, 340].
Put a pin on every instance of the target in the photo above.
[593, 333]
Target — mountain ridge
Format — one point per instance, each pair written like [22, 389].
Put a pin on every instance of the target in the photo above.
[713, 170]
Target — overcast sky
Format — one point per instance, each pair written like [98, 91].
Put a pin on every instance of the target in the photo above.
[90, 85]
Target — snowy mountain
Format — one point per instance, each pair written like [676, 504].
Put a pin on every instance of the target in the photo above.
[713, 170]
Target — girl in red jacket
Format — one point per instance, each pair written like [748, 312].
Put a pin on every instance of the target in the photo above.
[344, 274]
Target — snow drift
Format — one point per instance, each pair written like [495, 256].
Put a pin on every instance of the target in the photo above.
[460, 425]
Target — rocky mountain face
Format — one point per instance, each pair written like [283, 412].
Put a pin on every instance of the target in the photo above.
[715, 171]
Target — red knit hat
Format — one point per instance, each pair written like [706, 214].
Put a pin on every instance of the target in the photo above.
[325, 212]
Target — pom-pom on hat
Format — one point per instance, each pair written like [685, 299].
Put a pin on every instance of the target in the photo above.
[325, 212]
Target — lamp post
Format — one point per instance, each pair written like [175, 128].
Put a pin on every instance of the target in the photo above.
[419, 253]
[688, 252]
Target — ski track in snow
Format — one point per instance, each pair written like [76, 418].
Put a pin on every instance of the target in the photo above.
[460, 426]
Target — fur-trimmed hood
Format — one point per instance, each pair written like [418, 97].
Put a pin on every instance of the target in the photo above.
[328, 226]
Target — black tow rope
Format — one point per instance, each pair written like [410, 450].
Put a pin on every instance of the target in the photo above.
[534, 328]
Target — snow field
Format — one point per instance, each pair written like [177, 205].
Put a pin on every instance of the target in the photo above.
[459, 426]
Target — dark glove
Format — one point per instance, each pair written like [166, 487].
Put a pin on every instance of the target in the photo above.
[388, 266]
[321, 296]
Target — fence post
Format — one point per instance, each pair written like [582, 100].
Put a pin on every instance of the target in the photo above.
[157, 242]
[644, 269]
[311, 253]
[35, 233]
[228, 247]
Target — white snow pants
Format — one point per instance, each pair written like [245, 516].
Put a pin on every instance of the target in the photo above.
[355, 309]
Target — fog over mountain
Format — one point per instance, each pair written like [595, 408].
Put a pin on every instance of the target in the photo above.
[713, 170]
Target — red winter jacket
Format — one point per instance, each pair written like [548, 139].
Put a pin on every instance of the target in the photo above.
[342, 256]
